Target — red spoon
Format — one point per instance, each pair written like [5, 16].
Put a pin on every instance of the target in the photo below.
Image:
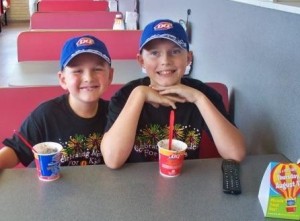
[171, 128]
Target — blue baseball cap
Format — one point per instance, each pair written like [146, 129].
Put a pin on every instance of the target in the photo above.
[83, 44]
[167, 29]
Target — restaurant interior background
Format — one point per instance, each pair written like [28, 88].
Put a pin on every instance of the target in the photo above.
[253, 50]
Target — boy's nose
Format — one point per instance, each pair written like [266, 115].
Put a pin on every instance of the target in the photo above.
[88, 75]
[165, 58]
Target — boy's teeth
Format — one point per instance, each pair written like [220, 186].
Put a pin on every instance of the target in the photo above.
[165, 72]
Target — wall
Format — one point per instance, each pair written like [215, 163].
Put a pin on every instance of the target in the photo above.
[18, 11]
[255, 51]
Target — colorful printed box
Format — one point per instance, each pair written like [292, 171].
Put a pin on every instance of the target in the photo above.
[279, 192]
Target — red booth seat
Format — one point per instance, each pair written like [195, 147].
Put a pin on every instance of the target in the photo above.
[208, 147]
[73, 20]
[52, 6]
[47, 45]
[18, 102]
[67, 0]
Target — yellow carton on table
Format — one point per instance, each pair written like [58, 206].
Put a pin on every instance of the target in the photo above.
[279, 192]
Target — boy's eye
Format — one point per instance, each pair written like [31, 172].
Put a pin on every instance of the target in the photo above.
[77, 71]
[154, 53]
[172, 52]
[97, 69]
[176, 51]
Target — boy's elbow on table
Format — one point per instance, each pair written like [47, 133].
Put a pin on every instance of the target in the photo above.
[237, 155]
[8, 158]
[112, 164]
[111, 160]
[240, 156]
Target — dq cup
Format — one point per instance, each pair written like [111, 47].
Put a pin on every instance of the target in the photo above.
[171, 161]
[47, 160]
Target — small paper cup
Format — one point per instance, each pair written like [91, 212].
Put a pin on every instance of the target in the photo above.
[171, 161]
[47, 159]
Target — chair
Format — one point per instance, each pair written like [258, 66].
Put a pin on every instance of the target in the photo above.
[54, 6]
[18, 102]
[45, 45]
[208, 148]
[73, 20]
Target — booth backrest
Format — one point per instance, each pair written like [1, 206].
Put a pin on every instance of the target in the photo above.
[67, 0]
[222, 90]
[208, 147]
[73, 20]
[18, 102]
[47, 45]
[52, 6]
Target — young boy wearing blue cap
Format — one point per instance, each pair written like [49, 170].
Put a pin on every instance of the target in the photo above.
[76, 119]
[139, 113]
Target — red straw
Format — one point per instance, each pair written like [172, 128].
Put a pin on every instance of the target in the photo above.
[24, 140]
[171, 128]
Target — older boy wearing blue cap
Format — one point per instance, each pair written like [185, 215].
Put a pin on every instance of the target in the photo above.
[76, 119]
[139, 112]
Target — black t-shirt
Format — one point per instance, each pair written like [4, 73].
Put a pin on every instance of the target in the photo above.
[55, 121]
[153, 122]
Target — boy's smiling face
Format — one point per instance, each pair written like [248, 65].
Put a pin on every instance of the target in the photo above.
[86, 77]
[164, 61]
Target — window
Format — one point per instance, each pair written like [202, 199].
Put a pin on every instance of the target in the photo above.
[292, 6]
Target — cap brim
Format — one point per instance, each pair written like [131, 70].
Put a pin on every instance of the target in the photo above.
[161, 37]
[91, 51]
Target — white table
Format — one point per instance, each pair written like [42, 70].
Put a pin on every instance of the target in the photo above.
[43, 73]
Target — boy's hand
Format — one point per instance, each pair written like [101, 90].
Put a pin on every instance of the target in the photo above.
[156, 99]
[180, 91]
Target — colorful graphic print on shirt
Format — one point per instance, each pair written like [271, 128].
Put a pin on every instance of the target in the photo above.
[147, 138]
[81, 150]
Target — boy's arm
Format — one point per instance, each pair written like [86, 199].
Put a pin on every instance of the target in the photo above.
[228, 139]
[8, 158]
[118, 141]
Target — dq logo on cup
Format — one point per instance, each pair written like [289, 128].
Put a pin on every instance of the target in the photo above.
[47, 159]
[171, 161]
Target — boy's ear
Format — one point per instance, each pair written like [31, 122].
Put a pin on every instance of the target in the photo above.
[140, 59]
[111, 75]
[190, 57]
[62, 80]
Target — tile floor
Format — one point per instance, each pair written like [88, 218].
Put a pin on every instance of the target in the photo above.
[8, 48]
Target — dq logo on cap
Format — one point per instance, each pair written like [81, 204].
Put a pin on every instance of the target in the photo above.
[84, 42]
[163, 26]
